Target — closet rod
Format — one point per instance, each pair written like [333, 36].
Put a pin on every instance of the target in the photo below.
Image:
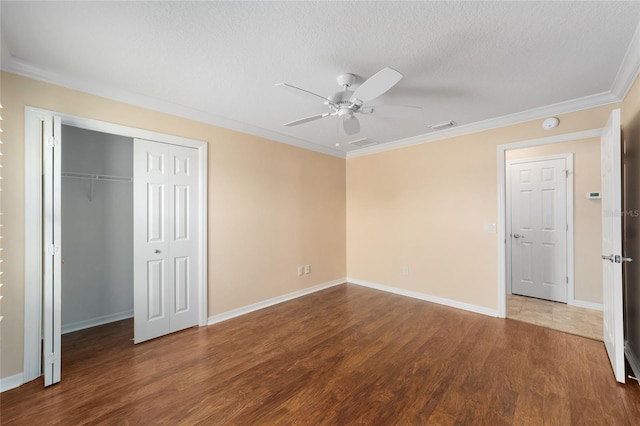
[92, 178]
[97, 177]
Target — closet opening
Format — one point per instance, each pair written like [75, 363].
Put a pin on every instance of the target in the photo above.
[96, 228]
[100, 282]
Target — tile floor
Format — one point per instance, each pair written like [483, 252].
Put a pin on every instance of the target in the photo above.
[559, 316]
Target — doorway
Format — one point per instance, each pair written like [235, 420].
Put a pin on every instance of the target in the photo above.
[584, 268]
[42, 286]
[584, 273]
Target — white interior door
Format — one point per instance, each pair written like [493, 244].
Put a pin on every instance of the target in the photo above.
[538, 239]
[51, 276]
[612, 245]
[165, 239]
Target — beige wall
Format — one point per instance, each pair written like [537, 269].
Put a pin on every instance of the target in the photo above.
[272, 206]
[425, 207]
[587, 213]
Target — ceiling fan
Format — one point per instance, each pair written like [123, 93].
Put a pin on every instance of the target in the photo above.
[346, 103]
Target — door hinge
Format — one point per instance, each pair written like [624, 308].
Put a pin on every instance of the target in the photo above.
[566, 279]
[566, 173]
[51, 358]
[52, 141]
[53, 249]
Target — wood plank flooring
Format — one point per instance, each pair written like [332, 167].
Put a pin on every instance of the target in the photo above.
[346, 355]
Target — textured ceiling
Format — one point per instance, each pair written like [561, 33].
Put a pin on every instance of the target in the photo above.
[219, 61]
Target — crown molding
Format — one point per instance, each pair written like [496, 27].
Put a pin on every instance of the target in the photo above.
[626, 76]
[629, 69]
[493, 123]
[16, 66]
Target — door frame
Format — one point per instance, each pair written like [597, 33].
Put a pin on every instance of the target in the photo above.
[568, 157]
[502, 201]
[33, 302]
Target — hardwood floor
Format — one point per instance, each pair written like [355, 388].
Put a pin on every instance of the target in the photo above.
[346, 355]
[559, 316]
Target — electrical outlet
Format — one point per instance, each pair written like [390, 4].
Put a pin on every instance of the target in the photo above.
[307, 269]
[300, 271]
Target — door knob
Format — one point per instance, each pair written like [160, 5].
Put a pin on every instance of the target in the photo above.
[517, 236]
[156, 251]
[609, 258]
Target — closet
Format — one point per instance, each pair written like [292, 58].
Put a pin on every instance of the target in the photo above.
[97, 228]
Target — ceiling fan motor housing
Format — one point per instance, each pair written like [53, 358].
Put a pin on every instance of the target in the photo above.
[346, 79]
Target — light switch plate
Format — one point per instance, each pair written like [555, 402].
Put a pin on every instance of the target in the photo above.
[489, 228]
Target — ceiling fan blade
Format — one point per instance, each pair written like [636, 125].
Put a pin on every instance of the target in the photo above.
[351, 125]
[407, 112]
[299, 91]
[376, 85]
[307, 119]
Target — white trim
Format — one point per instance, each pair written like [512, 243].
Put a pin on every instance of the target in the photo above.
[502, 202]
[126, 131]
[203, 219]
[11, 382]
[33, 243]
[20, 67]
[633, 361]
[570, 262]
[33, 220]
[629, 69]
[493, 123]
[426, 297]
[588, 305]
[94, 322]
[273, 301]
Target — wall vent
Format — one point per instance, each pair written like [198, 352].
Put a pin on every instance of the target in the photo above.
[443, 125]
[363, 142]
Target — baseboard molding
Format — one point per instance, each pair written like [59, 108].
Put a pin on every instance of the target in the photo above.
[633, 360]
[426, 297]
[94, 322]
[273, 301]
[588, 305]
[11, 382]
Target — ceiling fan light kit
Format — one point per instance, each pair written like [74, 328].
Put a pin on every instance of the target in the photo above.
[346, 103]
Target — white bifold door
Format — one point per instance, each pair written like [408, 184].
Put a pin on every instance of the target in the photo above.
[50, 138]
[165, 238]
[538, 217]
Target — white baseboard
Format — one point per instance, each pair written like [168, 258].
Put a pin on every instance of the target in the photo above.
[422, 296]
[633, 360]
[93, 322]
[270, 302]
[588, 305]
[11, 382]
